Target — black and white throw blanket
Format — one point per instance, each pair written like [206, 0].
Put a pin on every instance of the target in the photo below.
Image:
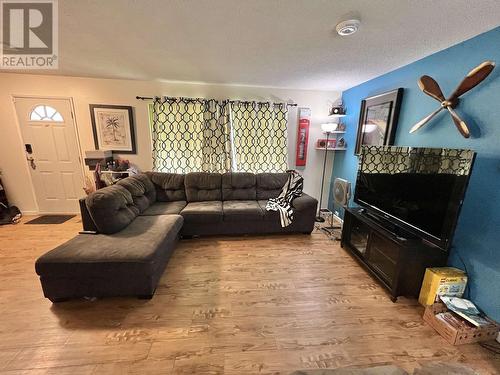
[283, 204]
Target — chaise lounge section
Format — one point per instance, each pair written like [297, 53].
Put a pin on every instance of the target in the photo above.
[139, 220]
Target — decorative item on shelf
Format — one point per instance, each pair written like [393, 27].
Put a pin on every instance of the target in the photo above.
[337, 110]
[341, 127]
[329, 144]
[302, 136]
[118, 165]
[341, 143]
[430, 87]
[378, 119]
[113, 127]
[117, 170]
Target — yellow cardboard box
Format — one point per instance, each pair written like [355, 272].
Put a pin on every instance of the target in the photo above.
[442, 281]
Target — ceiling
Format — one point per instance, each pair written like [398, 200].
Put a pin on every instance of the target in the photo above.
[275, 43]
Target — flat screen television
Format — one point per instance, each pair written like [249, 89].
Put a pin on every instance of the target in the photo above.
[419, 189]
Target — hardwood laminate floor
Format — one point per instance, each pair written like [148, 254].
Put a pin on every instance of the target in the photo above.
[225, 305]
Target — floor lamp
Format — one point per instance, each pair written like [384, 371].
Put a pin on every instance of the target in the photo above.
[327, 128]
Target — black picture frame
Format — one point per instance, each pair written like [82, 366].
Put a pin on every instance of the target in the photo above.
[129, 149]
[386, 105]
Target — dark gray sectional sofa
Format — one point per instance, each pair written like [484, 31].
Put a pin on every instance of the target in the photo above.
[139, 220]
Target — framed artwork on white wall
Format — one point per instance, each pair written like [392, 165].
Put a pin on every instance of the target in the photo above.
[113, 127]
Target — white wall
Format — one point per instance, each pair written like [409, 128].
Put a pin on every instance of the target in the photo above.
[85, 91]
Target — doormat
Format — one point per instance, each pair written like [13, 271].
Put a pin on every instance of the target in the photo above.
[51, 219]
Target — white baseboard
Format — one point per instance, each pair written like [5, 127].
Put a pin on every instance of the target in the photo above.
[30, 213]
[39, 213]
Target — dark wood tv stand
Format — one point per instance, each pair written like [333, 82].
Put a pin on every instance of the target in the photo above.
[395, 257]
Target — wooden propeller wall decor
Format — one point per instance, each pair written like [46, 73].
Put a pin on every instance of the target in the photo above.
[429, 86]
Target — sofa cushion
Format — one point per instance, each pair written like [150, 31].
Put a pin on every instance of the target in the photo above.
[269, 185]
[111, 208]
[149, 187]
[203, 212]
[202, 186]
[141, 189]
[242, 210]
[238, 186]
[169, 186]
[134, 251]
[164, 208]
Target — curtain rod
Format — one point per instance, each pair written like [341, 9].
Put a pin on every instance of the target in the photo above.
[231, 101]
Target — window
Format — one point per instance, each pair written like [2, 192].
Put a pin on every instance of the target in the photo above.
[45, 113]
[191, 135]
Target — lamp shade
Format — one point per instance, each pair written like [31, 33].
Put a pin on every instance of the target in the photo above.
[329, 127]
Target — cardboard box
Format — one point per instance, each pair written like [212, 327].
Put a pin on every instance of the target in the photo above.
[456, 330]
[442, 281]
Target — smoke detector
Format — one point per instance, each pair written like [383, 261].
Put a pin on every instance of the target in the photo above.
[348, 27]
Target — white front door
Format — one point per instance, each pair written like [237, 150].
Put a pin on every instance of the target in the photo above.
[52, 153]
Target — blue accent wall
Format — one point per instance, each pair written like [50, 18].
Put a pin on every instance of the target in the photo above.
[476, 245]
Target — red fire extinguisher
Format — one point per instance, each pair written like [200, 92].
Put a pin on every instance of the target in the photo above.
[302, 136]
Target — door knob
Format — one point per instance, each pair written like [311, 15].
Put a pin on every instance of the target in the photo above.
[32, 162]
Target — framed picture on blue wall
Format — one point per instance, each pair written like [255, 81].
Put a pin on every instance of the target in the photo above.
[378, 119]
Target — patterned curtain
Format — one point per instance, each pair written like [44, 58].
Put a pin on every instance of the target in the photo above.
[259, 135]
[192, 135]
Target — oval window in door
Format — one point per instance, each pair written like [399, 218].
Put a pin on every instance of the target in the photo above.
[45, 113]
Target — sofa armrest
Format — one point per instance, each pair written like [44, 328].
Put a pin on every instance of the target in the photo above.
[87, 222]
[305, 202]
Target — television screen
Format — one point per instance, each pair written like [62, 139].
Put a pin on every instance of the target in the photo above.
[421, 188]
